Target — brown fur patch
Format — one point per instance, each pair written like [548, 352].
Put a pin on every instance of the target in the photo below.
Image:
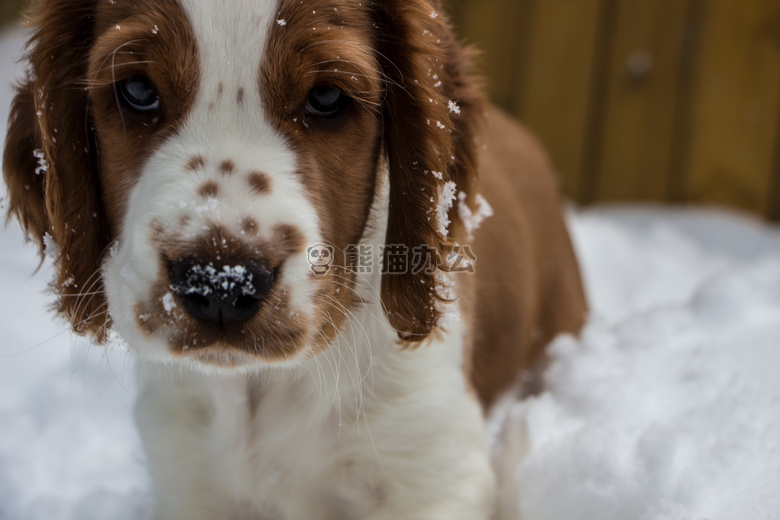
[158, 229]
[227, 167]
[25, 187]
[208, 189]
[291, 238]
[516, 311]
[259, 182]
[250, 226]
[195, 163]
[240, 96]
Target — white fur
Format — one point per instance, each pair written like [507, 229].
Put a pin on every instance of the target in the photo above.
[364, 430]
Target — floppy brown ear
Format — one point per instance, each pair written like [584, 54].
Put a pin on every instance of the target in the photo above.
[24, 173]
[431, 117]
[50, 129]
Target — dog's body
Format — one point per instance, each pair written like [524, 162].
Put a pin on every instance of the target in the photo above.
[195, 155]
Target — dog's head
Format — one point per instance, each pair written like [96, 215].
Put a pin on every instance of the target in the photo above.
[182, 156]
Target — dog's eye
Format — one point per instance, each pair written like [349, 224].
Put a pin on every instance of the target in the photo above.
[138, 94]
[326, 102]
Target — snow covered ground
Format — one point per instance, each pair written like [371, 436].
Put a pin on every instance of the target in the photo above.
[667, 408]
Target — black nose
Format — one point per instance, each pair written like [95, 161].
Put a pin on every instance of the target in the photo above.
[221, 292]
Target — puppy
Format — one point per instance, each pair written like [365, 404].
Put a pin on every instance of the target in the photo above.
[330, 255]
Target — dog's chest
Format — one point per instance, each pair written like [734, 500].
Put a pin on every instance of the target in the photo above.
[276, 456]
[353, 434]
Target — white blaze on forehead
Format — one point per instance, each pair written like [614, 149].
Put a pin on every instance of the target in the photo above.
[231, 43]
[227, 121]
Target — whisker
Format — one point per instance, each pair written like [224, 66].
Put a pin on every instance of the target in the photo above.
[359, 400]
[94, 279]
[368, 285]
[351, 319]
[65, 330]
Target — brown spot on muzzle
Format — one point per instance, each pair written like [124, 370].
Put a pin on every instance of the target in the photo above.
[196, 162]
[208, 189]
[227, 167]
[259, 182]
[249, 226]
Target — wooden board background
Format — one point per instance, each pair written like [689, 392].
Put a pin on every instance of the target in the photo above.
[9, 11]
[642, 100]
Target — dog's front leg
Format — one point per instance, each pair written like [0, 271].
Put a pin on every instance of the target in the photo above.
[172, 416]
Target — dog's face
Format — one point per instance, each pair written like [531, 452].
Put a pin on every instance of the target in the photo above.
[196, 151]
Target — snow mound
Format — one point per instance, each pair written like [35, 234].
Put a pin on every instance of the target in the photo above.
[671, 413]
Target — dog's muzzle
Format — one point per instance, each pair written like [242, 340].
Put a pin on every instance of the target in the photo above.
[221, 292]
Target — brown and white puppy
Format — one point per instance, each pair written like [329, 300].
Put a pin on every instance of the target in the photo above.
[275, 204]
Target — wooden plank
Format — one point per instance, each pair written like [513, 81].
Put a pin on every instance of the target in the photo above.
[9, 11]
[774, 186]
[496, 29]
[634, 154]
[735, 105]
[559, 80]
